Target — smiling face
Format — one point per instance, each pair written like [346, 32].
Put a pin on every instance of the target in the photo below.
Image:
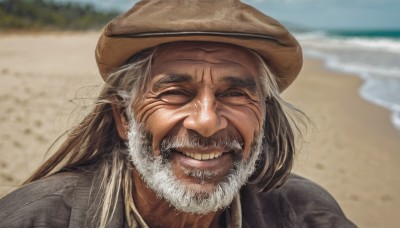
[202, 114]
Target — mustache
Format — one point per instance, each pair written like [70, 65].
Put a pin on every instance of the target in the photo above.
[195, 140]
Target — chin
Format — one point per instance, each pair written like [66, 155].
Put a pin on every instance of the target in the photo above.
[202, 188]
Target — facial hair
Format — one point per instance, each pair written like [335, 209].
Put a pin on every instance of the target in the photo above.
[157, 173]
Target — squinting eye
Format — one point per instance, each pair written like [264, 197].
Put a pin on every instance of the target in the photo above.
[233, 94]
[175, 97]
[235, 97]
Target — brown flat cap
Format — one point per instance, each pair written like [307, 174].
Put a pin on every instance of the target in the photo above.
[153, 22]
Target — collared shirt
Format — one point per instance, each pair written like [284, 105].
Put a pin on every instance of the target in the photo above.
[233, 215]
[69, 200]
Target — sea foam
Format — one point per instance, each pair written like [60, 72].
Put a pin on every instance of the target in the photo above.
[375, 59]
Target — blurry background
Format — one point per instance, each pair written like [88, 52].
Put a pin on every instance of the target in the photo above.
[39, 15]
[349, 87]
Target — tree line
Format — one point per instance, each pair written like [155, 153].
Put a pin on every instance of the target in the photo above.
[50, 15]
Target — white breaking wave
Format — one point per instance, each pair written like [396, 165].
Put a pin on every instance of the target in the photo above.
[390, 45]
[377, 44]
[375, 60]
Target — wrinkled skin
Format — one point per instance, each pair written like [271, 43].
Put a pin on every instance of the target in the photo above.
[206, 89]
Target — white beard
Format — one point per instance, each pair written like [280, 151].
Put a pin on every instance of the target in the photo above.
[157, 173]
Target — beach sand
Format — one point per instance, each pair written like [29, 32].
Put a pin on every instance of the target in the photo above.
[351, 149]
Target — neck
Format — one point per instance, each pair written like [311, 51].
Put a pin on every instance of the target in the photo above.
[157, 212]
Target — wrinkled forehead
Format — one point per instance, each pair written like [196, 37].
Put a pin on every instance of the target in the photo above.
[206, 51]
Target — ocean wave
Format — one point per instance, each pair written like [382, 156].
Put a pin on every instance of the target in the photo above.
[390, 45]
[323, 40]
[311, 35]
[356, 66]
[396, 119]
[393, 107]
[380, 72]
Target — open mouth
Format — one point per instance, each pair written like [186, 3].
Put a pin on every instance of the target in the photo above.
[203, 163]
[203, 156]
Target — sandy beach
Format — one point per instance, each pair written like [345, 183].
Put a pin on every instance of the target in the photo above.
[351, 149]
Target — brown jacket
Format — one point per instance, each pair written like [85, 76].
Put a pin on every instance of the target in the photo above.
[67, 200]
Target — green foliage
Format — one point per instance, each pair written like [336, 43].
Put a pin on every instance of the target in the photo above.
[49, 15]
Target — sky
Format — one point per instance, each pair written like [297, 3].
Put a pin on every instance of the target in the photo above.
[312, 14]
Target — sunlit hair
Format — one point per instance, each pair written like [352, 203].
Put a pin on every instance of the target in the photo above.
[282, 123]
[95, 140]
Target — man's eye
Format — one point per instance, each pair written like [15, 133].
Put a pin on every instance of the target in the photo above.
[175, 97]
[233, 94]
[235, 97]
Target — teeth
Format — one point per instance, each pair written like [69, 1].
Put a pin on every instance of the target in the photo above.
[202, 157]
[198, 156]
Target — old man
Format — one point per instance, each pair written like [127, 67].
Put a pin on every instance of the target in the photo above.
[189, 130]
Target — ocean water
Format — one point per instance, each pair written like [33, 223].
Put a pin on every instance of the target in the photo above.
[373, 56]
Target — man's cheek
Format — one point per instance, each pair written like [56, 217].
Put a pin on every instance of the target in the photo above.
[144, 108]
[162, 122]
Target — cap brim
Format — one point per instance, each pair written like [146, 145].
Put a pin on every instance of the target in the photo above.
[284, 60]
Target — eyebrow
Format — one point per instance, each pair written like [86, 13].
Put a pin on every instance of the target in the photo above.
[171, 78]
[249, 84]
[233, 81]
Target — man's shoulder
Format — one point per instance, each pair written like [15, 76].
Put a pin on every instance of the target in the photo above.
[299, 203]
[301, 192]
[45, 202]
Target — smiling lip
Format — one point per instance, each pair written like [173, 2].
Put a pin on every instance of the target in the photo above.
[203, 158]
[202, 154]
[224, 160]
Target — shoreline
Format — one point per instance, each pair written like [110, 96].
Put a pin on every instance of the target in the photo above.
[352, 150]
[362, 92]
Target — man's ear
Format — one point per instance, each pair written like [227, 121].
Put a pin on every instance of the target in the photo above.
[120, 120]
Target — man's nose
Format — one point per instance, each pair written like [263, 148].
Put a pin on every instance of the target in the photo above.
[205, 118]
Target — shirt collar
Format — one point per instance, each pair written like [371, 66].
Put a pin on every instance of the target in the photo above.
[233, 215]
